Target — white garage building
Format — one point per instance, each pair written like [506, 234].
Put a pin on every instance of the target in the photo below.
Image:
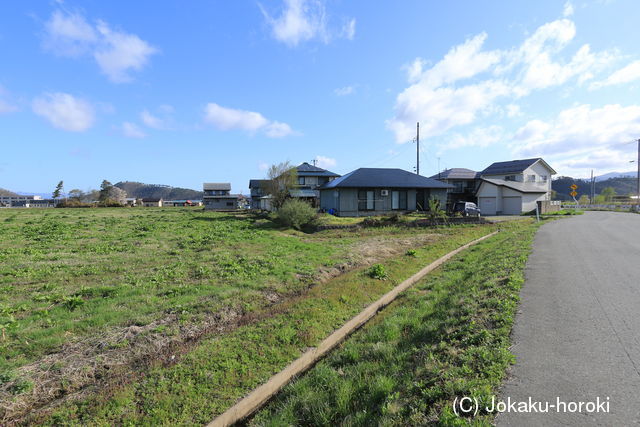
[514, 187]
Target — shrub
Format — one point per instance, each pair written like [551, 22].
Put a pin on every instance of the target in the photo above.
[411, 252]
[377, 271]
[296, 214]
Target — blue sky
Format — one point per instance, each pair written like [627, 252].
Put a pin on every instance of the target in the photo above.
[181, 93]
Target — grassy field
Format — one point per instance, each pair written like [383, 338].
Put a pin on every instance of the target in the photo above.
[447, 337]
[92, 294]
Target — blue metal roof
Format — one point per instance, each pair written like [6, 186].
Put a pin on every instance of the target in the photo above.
[456, 173]
[511, 166]
[383, 178]
[306, 169]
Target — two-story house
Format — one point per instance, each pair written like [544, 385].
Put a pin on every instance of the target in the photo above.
[309, 179]
[258, 189]
[514, 187]
[464, 181]
[217, 196]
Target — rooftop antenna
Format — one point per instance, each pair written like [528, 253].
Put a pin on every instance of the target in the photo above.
[315, 162]
[418, 148]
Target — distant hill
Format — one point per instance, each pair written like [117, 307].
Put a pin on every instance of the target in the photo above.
[141, 191]
[4, 192]
[616, 175]
[623, 186]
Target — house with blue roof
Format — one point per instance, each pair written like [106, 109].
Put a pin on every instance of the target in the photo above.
[514, 187]
[310, 179]
[378, 191]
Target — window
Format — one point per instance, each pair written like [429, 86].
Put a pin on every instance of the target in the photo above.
[459, 186]
[301, 180]
[399, 200]
[544, 178]
[510, 178]
[229, 203]
[365, 200]
[531, 178]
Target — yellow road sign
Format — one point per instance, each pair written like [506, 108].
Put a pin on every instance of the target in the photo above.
[574, 187]
[573, 194]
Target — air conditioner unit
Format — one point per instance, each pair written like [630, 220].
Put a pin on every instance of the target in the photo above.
[384, 192]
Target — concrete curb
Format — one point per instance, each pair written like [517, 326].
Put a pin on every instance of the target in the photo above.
[254, 400]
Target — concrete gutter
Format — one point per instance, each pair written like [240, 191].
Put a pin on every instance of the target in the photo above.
[259, 396]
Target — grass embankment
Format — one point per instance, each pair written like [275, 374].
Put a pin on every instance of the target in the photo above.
[84, 292]
[447, 336]
[224, 368]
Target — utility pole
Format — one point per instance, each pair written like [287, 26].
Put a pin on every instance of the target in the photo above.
[591, 188]
[638, 176]
[418, 148]
[438, 167]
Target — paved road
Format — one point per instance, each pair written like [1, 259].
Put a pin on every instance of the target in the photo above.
[577, 333]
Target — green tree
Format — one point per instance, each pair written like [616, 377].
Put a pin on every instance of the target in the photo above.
[105, 189]
[608, 193]
[76, 194]
[282, 179]
[59, 190]
[583, 200]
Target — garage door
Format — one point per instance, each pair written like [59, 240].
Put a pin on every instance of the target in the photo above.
[512, 205]
[488, 205]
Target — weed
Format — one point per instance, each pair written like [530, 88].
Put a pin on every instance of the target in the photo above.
[377, 271]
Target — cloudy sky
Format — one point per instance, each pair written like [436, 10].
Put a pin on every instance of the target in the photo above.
[179, 93]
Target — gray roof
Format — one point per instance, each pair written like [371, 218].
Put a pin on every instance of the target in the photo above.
[217, 186]
[383, 178]
[511, 166]
[515, 185]
[306, 169]
[456, 173]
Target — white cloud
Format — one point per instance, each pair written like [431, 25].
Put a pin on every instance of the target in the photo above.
[304, 20]
[263, 166]
[65, 111]
[624, 75]
[343, 91]
[68, 34]
[278, 130]
[479, 137]
[469, 82]
[582, 137]
[461, 62]
[6, 106]
[151, 121]
[117, 53]
[513, 110]
[325, 162]
[568, 9]
[131, 130]
[349, 29]
[441, 109]
[120, 53]
[225, 118]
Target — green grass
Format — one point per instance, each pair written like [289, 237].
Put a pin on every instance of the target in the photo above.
[75, 280]
[566, 212]
[447, 336]
[222, 368]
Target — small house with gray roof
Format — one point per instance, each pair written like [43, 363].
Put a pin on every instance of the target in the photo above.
[514, 187]
[464, 183]
[378, 191]
[217, 196]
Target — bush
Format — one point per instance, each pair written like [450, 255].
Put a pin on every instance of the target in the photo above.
[377, 271]
[412, 252]
[296, 214]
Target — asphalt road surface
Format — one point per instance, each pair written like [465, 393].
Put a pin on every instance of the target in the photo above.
[577, 333]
